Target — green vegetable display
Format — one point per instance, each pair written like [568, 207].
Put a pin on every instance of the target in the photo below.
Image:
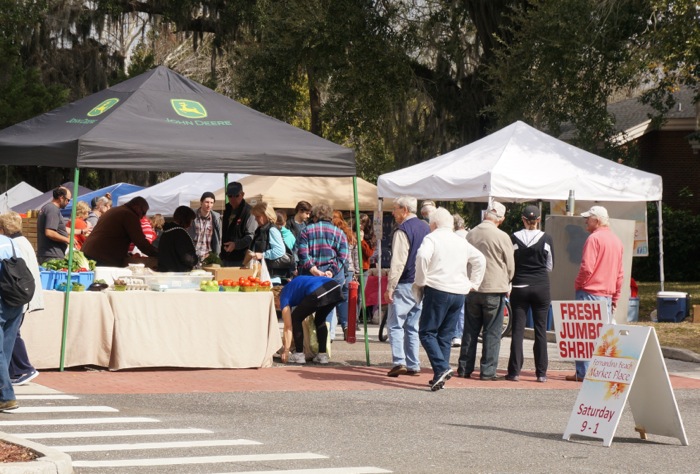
[80, 262]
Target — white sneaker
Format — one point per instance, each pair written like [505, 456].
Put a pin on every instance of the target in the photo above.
[321, 358]
[456, 342]
[297, 358]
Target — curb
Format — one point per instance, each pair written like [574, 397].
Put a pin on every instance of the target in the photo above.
[52, 461]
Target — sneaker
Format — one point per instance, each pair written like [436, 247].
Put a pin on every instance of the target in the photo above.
[512, 378]
[440, 381]
[413, 372]
[541, 379]
[345, 333]
[321, 358]
[7, 405]
[297, 358]
[456, 342]
[25, 378]
[397, 370]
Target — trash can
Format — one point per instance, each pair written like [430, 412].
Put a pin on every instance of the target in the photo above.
[671, 306]
[633, 310]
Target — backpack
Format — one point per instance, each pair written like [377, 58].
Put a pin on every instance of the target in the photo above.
[17, 284]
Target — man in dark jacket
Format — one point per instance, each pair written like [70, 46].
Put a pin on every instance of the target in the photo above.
[108, 244]
[238, 227]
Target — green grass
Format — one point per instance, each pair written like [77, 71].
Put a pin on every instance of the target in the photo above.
[684, 335]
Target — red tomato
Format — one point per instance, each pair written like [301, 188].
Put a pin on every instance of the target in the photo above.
[242, 280]
[227, 283]
[265, 283]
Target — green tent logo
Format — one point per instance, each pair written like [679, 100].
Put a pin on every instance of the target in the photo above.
[189, 108]
[103, 107]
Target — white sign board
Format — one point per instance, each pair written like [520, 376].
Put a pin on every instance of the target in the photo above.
[627, 364]
[577, 325]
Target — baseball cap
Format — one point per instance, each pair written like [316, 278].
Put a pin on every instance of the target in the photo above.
[596, 211]
[497, 209]
[531, 212]
[234, 189]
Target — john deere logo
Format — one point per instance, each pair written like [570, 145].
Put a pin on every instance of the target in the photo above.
[189, 108]
[103, 107]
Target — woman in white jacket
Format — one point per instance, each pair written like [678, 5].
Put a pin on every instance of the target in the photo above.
[20, 368]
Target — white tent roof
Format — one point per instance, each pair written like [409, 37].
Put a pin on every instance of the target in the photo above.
[517, 164]
[164, 198]
[17, 195]
[286, 191]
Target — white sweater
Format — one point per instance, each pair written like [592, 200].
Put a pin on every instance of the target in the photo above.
[449, 263]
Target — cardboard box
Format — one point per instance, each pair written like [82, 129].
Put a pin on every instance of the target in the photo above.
[696, 313]
[229, 273]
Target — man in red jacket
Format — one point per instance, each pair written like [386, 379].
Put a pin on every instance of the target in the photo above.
[600, 275]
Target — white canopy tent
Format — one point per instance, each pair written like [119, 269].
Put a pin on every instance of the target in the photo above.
[518, 164]
[17, 195]
[164, 198]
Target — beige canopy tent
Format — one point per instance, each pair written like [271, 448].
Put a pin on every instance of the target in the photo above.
[284, 192]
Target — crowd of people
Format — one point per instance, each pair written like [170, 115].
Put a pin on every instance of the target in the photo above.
[447, 285]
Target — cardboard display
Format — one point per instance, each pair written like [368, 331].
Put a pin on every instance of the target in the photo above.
[230, 273]
[627, 364]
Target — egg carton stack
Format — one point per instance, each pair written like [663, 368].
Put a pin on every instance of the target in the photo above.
[134, 283]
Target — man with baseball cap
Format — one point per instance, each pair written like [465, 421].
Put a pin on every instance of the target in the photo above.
[485, 305]
[600, 275]
[238, 227]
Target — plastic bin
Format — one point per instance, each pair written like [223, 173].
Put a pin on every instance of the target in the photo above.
[83, 278]
[47, 279]
[175, 280]
[633, 310]
[671, 306]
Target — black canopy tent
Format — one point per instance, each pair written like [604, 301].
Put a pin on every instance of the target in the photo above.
[162, 121]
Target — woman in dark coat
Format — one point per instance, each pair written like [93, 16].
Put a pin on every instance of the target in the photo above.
[176, 252]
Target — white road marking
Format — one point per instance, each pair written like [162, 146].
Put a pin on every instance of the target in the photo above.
[158, 445]
[332, 470]
[99, 434]
[79, 421]
[198, 460]
[66, 409]
[46, 397]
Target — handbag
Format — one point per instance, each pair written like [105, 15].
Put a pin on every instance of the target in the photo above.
[286, 261]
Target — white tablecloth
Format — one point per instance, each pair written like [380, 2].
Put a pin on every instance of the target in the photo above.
[193, 329]
[89, 334]
[127, 329]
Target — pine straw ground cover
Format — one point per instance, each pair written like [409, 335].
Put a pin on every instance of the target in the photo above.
[684, 335]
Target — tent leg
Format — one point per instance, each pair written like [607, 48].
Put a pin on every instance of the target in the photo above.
[66, 298]
[359, 252]
[659, 208]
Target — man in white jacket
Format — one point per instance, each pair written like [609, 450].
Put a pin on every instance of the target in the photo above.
[447, 268]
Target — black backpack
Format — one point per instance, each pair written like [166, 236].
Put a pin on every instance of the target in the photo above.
[17, 284]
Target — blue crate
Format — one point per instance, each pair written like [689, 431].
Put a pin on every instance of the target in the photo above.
[47, 279]
[83, 278]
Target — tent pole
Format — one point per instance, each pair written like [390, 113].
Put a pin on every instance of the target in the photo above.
[225, 189]
[661, 245]
[359, 253]
[66, 297]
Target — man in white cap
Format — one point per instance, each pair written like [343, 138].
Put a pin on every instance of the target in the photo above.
[485, 305]
[600, 275]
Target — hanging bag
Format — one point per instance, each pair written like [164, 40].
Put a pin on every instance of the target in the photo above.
[17, 284]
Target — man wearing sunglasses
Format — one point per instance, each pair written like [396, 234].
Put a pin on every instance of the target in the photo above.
[52, 235]
[238, 227]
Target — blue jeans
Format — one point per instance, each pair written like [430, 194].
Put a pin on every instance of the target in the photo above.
[10, 320]
[582, 365]
[402, 324]
[437, 322]
[484, 310]
[342, 308]
[459, 329]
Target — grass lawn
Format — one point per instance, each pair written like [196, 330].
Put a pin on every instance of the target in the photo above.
[685, 335]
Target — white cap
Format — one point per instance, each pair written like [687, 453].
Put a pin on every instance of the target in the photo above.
[497, 209]
[596, 211]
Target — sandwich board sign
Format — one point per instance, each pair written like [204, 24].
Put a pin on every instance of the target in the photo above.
[626, 365]
[577, 324]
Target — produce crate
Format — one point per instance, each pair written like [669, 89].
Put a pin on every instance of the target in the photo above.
[83, 278]
[48, 279]
[174, 280]
[29, 230]
[230, 273]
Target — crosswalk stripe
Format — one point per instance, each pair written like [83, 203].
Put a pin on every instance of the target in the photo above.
[66, 409]
[78, 421]
[198, 460]
[47, 397]
[332, 470]
[158, 445]
[100, 434]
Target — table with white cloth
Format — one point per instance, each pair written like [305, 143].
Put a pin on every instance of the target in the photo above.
[176, 328]
[181, 328]
[88, 336]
